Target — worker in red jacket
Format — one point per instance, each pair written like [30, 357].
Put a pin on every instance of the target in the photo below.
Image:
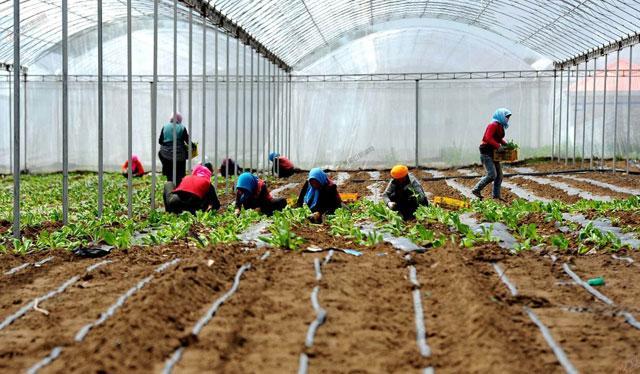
[282, 166]
[195, 192]
[252, 193]
[136, 167]
[493, 140]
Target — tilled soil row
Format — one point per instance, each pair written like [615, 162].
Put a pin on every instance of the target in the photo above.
[593, 336]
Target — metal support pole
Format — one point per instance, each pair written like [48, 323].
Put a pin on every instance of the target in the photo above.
[235, 148]
[258, 112]
[604, 106]
[265, 104]
[24, 120]
[226, 117]
[203, 151]
[628, 150]
[269, 108]
[16, 118]
[175, 90]
[216, 105]
[553, 127]
[566, 140]
[190, 88]
[584, 114]
[244, 105]
[154, 105]
[100, 114]
[593, 110]
[575, 116]
[65, 113]
[289, 109]
[251, 113]
[276, 119]
[129, 116]
[417, 123]
[615, 114]
[560, 118]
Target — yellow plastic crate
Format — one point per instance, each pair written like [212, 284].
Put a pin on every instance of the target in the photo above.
[348, 197]
[448, 202]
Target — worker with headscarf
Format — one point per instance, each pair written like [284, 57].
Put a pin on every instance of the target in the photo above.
[282, 166]
[493, 140]
[136, 167]
[404, 193]
[252, 193]
[320, 194]
[195, 192]
[166, 148]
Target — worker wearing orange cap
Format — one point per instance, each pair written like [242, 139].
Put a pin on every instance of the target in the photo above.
[404, 193]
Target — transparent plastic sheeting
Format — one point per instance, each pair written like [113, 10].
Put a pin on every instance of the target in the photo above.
[345, 125]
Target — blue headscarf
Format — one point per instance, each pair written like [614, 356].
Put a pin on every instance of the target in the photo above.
[248, 183]
[273, 155]
[311, 198]
[500, 116]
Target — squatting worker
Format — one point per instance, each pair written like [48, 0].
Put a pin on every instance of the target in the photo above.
[195, 192]
[320, 194]
[252, 193]
[136, 167]
[404, 193]
[166, 148]
[493, 140]
[282, 166]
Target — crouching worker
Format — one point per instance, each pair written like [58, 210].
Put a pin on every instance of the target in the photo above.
[252, 193]
[282, 167]
[195, 192]
[320, 194]
[404, 193]
[136, 167]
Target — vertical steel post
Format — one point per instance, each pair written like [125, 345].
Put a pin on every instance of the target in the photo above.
[129, 116]
[575, 116]
[65, 113]
[584, 113]
[615, 114]
[244, 105]
[253, 56]
[190, 88]
[226, 117]
[593, 110]
[154, 105]
[289, 109]
[553, 111]
[203, 150]
[269, 108]
[566, 140]
[604, 106]
[216, 104]
[628, 150]
[417, 123]
[265, 104]
[16, 118]
[276, 112]
[24, 120]
[100, 115]
[258, 112]
[174, 118]
[237, 75]
[560, 117]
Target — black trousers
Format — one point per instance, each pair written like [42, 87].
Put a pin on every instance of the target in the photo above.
[167, 169]
[180, 202]
[276, 204]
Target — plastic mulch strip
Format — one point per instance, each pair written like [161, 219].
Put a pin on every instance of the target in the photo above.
[524, 194]
[500, 231]
[374, 175]
[29, 306]
[612, 187]
[464, 190]
[342, 177]
[376, 192]
[287, 186]
[401, 243]
[604, 225]
[253, 234]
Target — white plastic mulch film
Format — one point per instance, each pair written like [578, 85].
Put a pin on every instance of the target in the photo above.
[373, 124]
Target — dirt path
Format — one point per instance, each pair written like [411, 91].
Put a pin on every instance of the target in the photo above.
[471, 327]
[592, 336]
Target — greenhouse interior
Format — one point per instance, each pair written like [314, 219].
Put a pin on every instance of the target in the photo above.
[319, 186]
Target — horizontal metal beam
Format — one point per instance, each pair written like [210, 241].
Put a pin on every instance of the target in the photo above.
[599, 51]
[209, 11]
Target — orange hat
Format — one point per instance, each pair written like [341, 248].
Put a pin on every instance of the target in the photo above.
[399, 171]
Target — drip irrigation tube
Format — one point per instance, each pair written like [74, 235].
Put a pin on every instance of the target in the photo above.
[503, 277]
[82, 333]
[265, 256]
[328, 257]
[421, 334]
[20, 267]
[29, 306]
[177, 354]
[316, 265]
[303, 364]
[321, 316]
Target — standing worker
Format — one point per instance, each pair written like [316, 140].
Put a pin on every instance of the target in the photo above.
[404, 193]
[166, 148]
[493, 140]
[320, 194]
[195, 192]
[252, 193]
[282, 166]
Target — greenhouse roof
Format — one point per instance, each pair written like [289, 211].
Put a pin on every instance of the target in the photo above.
[296, 29]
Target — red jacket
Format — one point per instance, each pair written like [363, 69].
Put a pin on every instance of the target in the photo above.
[493, 136]
[284, 163]
[136, 167]
[198, 186]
